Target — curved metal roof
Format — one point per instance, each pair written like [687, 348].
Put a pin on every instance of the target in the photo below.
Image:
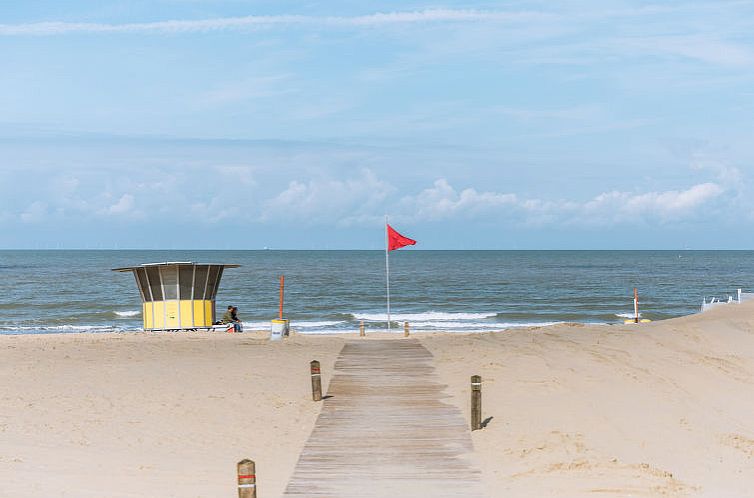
[174, 263]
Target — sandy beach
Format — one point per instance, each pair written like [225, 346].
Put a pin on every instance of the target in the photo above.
[659, 409]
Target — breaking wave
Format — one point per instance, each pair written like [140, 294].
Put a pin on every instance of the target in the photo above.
[427, 316]
[626, 315]
[56, 329]
[127, 314]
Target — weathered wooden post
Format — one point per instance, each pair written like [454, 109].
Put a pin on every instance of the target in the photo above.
[476, 402]
[362, 330]
[247, 479]
[405, 329]
[316, 381]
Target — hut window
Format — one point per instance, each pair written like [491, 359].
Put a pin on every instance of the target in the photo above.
[141, 280]
[200, 282]
[153, 274]
[217, 282]
[214, 274]
[185, 281]
[170, 281]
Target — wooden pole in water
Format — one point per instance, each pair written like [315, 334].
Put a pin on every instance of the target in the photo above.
[405, 329]
[282, 286]
[636, 306]
[362, 330]
[247, 479]
[476, 402]
[316, 381]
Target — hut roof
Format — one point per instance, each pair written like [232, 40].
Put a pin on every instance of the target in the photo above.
[173, 263]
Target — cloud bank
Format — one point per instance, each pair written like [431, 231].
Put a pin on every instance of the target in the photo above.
[360, 199]
[442, 202]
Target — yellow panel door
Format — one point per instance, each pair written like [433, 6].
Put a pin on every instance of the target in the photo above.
[148, 315]
[199, 320]
[209, 312]
[159, 314]
[187, 315]
[171, 315]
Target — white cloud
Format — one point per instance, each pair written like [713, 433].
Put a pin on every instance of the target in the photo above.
[124, 205]
[214, 194]
[443, 202]
[617, 207]
[250, 22]
[220, 208]
[572, 19]
[725, 173]
[343, 202]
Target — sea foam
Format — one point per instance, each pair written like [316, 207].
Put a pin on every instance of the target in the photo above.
[427, 316]
[626, 315]
[127, 314]
[52, 329]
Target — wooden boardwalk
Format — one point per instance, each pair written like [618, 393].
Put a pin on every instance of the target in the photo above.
[386, 432]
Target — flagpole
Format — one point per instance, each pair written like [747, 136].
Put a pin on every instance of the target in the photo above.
[387, 275]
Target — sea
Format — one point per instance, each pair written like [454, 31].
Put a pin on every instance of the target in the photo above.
[332, 291]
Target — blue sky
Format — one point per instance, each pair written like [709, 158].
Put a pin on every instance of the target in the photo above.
[491, 125]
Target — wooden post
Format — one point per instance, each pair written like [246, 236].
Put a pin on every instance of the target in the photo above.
[362, 330]
[636, 306]
[247, 479]
[316, 381]
[476, 402]
[282, 286]
[405, 329]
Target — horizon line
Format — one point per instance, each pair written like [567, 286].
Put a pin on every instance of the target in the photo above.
[382, 250]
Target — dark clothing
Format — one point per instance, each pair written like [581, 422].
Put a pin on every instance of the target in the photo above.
[231, 316]
[236, 321]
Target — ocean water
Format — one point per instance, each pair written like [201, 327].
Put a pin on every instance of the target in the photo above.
[331, 291]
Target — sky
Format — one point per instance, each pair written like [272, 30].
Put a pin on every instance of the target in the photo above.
[232, 124]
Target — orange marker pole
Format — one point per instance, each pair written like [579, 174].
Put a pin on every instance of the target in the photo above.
[636, 306]
[282, 286]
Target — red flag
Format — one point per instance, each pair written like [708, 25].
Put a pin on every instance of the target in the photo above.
[396, 240]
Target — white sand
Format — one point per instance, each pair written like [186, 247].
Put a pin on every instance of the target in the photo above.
[660, 409]
[153, 415]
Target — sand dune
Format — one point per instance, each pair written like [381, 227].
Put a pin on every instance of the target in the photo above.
[660, 409]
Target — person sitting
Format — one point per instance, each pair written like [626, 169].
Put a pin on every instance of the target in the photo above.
[228, 316]
[237, 326]
[231, 317]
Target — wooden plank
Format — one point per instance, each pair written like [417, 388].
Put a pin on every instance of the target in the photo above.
[386, 431]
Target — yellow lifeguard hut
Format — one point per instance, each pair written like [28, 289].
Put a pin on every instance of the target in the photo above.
[178, 295]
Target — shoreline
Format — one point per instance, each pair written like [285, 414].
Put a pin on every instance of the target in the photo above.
[398, 330]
